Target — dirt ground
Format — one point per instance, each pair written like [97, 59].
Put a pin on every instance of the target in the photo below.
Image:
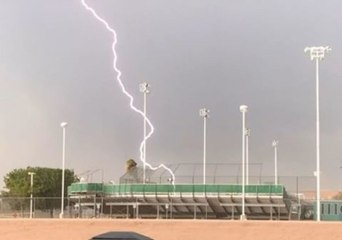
[74, 229]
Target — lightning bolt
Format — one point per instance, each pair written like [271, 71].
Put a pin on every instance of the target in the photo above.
[131, 99]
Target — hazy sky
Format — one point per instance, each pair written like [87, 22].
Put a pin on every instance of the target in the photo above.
[56, 65]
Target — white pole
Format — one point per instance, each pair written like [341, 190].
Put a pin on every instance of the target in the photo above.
[247, 156]
[204, 149]
[318, 171]
[243, 166]
[275, 167]
[63, 125]
[144, 176]
[243, 109]
[275, 145]
[144, 88]
[31, 196]
[205, 114]
[317, 53]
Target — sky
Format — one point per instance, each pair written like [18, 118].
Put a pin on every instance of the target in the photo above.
[56, 65]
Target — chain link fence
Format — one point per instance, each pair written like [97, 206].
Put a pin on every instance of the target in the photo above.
[50, 207]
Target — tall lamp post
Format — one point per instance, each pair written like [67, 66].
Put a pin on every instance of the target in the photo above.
[31, 196]
[275, 146]
[317, 54]
[248, 134]
[243, 110]
[205, 114]
[63, 125]
[145, 89]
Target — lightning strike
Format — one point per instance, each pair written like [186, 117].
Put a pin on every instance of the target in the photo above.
[131, 99]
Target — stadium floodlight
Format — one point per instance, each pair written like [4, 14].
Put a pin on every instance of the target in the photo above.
[317, 54]
[31, 195]
[63, 125]
[275, 146]
[145, 89]
[205, 114]
[243, 110]
[248, 134]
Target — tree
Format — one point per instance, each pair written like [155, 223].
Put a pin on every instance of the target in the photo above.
[47, 183]
[130, 164]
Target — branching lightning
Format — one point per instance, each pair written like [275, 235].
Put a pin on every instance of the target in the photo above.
[131, 99]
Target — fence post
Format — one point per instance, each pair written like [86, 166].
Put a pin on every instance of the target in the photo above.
[297, 185]
[95, 206]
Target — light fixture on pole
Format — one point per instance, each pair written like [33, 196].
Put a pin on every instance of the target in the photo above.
[248, 133]
[275, 146]
[243, 110]
[205, 114]
[63, 125]
[317, 54]
[145, 89]
[31, 195]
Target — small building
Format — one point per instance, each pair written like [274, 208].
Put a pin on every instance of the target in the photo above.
[331, 210]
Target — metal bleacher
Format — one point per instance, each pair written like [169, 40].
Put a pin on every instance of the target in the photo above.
[263, 201]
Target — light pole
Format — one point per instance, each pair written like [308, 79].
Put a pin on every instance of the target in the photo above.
[317, 54]
[63, 125]
[275, 145]
[243, 110]
[248, 133]
[144, 88]
[205, 114]
[31, 196]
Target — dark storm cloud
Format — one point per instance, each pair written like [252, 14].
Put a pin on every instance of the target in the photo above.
[56, 66]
